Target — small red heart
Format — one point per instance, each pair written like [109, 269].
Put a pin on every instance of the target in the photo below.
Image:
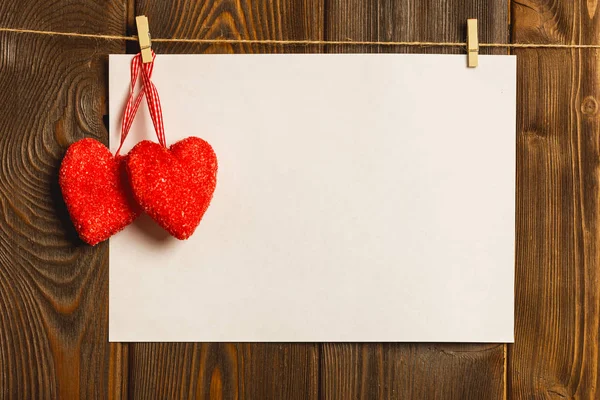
[95, 189]
[174, 186]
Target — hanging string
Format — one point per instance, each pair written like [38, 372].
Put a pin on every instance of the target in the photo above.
[278, 42]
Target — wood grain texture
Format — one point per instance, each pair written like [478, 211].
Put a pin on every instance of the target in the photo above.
[53, 290]
[234, 19]
[413, 371]
[555, 354]
[423, 21]
[118, 371]
[223, 371]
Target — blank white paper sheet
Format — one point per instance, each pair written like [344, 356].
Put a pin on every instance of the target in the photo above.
[364, 198]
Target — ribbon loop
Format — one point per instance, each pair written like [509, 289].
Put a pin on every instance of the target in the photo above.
[133, 102]
[153, 101]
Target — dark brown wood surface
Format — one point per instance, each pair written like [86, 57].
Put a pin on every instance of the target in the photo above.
[555, 354]
[53, 289]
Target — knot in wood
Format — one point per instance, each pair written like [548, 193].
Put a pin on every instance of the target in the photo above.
[589, 106]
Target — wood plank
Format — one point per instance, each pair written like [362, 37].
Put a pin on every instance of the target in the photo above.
[252, 370]
[421, 21]
[53, 289]
[418, 371]
[118, 371]
[412, 371]
[224, 371]
[555, 354]
[229, 19]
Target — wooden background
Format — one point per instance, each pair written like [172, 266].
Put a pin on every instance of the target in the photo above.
[53, 289]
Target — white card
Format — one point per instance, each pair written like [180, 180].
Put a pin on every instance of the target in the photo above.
[359, 198]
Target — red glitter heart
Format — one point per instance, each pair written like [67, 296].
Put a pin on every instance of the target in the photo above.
[95, 189]
[174, 186]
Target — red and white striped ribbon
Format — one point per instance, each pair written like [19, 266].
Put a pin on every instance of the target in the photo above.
[133, 102]
[154, 103]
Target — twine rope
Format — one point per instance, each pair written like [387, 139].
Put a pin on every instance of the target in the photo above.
[301, 42]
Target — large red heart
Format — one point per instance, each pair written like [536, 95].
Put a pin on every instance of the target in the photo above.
[174, 186]
[95, 189]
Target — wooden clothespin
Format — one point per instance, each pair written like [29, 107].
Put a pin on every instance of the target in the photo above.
[144, 38]
[472, 44]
